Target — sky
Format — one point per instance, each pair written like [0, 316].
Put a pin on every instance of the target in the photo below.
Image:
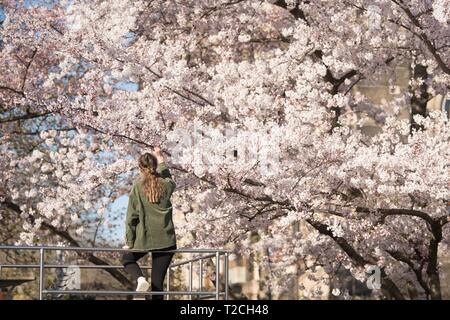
[40, 3]
[2, 14]
[117, 208]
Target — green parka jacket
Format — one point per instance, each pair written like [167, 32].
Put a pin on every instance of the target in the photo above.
[149, 226]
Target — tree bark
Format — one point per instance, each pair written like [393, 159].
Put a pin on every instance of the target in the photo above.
[434, 282]
[387, 285]
[420, 97]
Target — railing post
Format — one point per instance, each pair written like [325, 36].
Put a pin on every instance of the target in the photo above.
[200, 277]
[168, 283]
[217, 275]
[226, 267]
[41, 273]
[191, 273]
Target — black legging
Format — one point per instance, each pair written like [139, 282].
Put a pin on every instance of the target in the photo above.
[160, 263]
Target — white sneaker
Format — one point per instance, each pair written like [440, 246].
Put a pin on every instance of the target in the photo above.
[142, 284]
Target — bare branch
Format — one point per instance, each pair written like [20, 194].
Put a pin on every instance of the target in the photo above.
[26, 117]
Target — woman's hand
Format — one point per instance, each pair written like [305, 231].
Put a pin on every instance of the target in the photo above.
[157, 152]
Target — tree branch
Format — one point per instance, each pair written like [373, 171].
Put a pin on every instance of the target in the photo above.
[27, 68]
[296, 12]
[21, 93]
[26, 117]
[417, 271]
[423, 36]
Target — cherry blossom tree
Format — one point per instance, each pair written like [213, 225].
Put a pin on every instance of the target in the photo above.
[255, 104]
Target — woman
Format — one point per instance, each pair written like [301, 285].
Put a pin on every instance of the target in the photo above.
[149, 224]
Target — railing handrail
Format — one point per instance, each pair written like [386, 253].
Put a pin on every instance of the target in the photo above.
[99, 266]
[106, 249]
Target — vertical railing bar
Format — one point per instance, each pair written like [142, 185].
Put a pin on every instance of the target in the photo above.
[226, 267]
[200, 284]
[217, 275]
[191, 271]
[168, 283]
[41, 273]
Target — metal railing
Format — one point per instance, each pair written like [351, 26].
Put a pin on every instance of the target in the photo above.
[215, 254]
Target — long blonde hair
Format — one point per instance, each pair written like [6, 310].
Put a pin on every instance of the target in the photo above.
[153, 187]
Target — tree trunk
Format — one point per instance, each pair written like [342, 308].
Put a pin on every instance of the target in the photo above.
[434, 282]
[420, 97]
